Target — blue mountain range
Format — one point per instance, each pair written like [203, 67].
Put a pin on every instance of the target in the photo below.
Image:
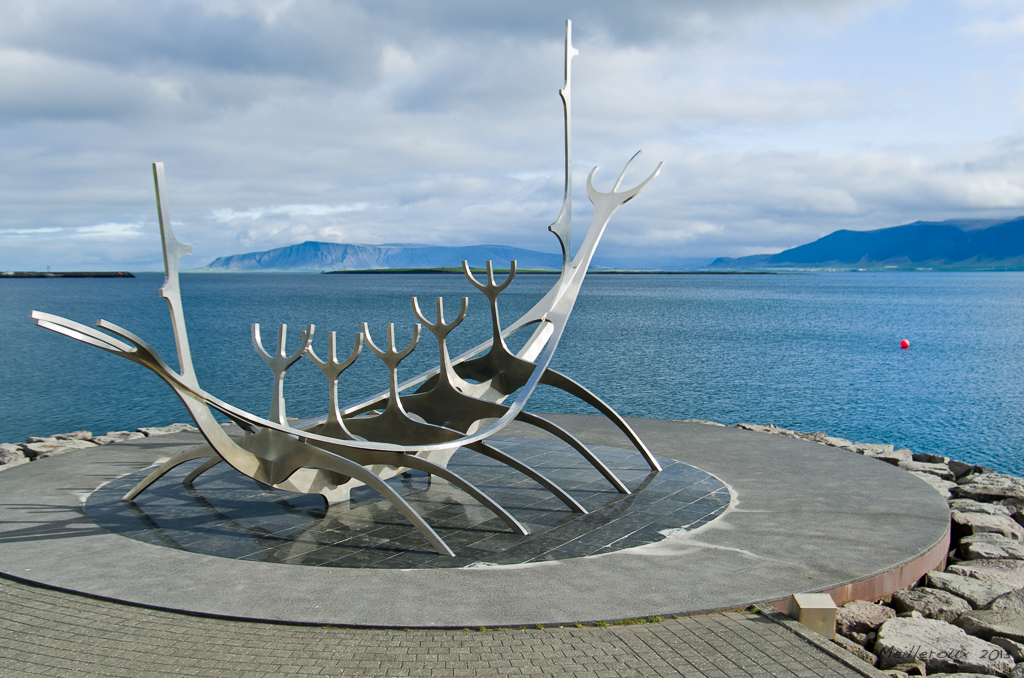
[328, 256]
[952, 244]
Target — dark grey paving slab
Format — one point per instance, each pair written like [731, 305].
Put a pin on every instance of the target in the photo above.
[806, 517]
[227, 514]
[55, 634]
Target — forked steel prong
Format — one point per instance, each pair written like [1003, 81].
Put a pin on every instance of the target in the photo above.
[616, 196]
[279, 364]
[391, 358]
[440, 329]
[490, 289]
[332, 369]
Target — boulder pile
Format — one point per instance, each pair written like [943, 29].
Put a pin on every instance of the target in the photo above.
[967, 620]
[15, 454]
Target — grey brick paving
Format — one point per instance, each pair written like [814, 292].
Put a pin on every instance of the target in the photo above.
[50, 633]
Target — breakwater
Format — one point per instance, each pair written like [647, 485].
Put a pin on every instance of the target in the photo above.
[66, 274]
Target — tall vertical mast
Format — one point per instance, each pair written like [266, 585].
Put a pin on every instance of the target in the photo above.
[562, 227]
[174, 249]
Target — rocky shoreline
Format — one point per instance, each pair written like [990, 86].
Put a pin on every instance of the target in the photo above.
[966, 620]
[16, 454]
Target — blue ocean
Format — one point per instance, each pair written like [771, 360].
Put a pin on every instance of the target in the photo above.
[813, 352]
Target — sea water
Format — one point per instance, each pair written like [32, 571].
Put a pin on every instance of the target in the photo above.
[813, 352]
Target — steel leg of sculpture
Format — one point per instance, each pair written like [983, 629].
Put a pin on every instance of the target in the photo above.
[200, 470]
[560, 381]
[576, 443]
[527, 470]
[365, 458]
[307, 455]
[197, 452]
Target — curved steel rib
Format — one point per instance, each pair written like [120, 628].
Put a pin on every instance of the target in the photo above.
[197, 452]
[560, 381]
[576, 443]
[200, 470]
[527, 470]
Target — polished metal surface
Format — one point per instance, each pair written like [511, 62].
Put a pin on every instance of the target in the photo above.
[416, 424]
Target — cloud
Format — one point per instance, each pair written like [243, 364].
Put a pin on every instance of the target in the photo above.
[256, 213]
[288, 120]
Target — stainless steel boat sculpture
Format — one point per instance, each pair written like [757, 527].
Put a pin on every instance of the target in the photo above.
[416, 424]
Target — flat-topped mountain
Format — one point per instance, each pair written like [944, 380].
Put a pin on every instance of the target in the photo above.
[328, 256]
[953, 244]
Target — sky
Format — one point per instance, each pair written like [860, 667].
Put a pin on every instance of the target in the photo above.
[281, 121]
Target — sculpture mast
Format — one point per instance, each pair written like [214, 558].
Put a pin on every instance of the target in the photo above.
[174, 250]
[562, 227]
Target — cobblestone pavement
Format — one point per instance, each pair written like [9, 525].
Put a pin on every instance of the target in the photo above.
[51, 633]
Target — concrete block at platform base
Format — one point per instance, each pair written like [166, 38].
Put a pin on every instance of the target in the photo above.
[816, 611]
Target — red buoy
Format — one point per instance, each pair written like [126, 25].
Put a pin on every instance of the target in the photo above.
[905, 344]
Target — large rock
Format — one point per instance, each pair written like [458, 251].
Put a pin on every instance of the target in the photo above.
[854, 648]
[11, 454]
[990, 487]
[990, 545]
[816, 436]
[972, 506]
[860, 616]
[939, 470]
[839, 442]
[11, 464]
[1006, 572]
[116, 437]
[874, 449]
[976, 523]
[165, 430]
[941, 646]
[1004, 617]
[74, 435]
[960, 469]
[943, 487]
[1015, 649]
[932, 603]
[52, 446]
[885, 453]
[976, 592]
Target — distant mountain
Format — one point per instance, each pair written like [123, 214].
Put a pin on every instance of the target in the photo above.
[327, 256]
[952, 244]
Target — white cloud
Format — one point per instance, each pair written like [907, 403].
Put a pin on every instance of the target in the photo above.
[226, 214]
[108, 231]
[1007, 28]
[283, 121]
[27, 232]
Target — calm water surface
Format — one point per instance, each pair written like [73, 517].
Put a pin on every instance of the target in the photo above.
[817, 352]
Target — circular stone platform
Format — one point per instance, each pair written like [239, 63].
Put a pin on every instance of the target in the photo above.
[753, 518]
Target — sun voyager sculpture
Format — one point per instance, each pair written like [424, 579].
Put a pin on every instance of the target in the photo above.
[415, 424]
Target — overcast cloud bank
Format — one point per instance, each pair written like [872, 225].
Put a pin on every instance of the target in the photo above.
[283, 121]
